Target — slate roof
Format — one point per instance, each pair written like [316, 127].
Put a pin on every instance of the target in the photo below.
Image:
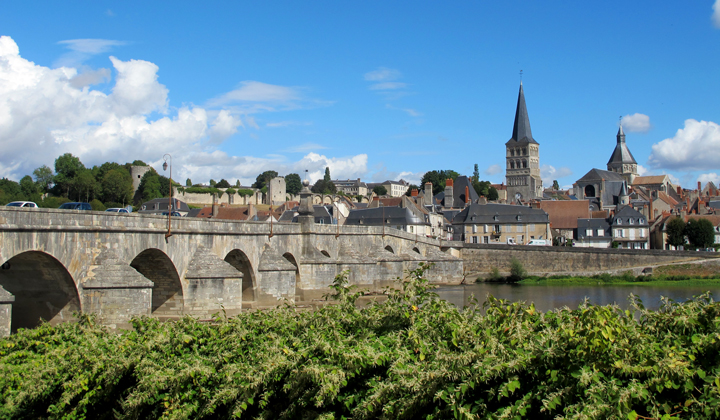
[161, 204]
[521, 127]
[459, 192]
[595, 174]
[393, 216]
[594, 224]
[625, 214]
[493, 213]
[621, 154]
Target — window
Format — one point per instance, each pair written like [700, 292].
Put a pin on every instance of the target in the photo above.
[518, 217]
[518, 228]
[618, 221]
[485, 229]
[588, 232]
[412, 229]
[641, 221]
[600, 232]
[632, 221]
[642, 233]
[474, 229]
[497, 228]
[486, 239]
[474, 239]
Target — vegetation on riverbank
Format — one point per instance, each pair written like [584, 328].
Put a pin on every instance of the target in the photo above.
[411, 356]
[695, 274]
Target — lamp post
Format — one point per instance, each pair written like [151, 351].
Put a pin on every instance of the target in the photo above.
[167, 157]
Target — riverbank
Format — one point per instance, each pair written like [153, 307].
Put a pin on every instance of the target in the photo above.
[686, 274]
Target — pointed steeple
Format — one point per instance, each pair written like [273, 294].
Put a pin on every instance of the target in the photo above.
[621, 154]
[521, 128]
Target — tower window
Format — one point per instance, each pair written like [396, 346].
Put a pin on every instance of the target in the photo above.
[512, 164]
[512, 152]
[524, 151]
[524, 163]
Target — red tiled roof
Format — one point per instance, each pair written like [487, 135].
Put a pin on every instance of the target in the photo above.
[564, 214]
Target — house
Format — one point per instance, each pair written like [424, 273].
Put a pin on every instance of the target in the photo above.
[458, 193]
[160, 206]
[394, 188]
[593, 233]
[351, 187]
[601, 188]
[564, 216]
[322, 215]
[630, 229]
[401, 218]
[500, 223]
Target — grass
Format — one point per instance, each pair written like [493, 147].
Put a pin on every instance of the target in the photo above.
[626, 278]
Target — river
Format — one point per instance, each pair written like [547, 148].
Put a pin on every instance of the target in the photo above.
[548, 297]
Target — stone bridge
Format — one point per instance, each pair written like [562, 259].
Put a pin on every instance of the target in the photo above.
[55, 263]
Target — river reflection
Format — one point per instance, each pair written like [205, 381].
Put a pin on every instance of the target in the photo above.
[548, 297]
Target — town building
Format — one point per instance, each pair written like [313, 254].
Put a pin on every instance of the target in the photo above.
[593, 233]
[630, 229]
[522, 158]
[401, 218]
[500, 223]
[351, 187]
[622, 161]
[161, 205]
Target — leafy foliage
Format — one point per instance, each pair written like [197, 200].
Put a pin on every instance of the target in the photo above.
[380, 190]
[412, 356]
[264, 178]
[438, 179]
[223, 183]
[700, 232]
[293, 184]
[675, 229]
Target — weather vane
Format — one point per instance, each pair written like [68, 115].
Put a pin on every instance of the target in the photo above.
[520, 76]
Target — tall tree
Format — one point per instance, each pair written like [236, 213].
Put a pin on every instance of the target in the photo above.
[117, 186]
[222, 184]
[438, 178]
[482, 188]
[700, 232]
[67, 168]
[188, 183]
[675, 230]
[29, 188]
[327, 178]
[293, 184]
[492, 194]
[149, 187]
[264, 178]
[9, 191]
[380, 190]
[85, 185]
[43, 178]
[476, 174]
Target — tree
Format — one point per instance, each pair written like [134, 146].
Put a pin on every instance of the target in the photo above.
[212, 183]
[675, 229]
[85, 185]
[9, 191]
[327, 178]
[222, 184]
[43, 178]
[188, 182]
[67, 167]
[380, 190]
[476, 174]
[264, 178]
[139, 163]
[700, 232]
[149, 187]
[438, 178]
[492, 194]
[293, 184]
[482, 188]
[323, 187]
[29, 188]
[117, 186]
[555, 186]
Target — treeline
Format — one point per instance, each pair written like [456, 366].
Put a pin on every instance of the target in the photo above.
[413, 356]
[438, 178]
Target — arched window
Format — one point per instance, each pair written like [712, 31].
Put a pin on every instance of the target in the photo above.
[512, 152]
[590, 191]
[524, 151]
[512, 164]
[524, 163]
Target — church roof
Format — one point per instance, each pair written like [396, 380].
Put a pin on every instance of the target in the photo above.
[521, 128]
[621, 154]
[598, 174]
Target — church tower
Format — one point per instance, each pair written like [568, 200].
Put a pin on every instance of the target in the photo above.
[522, 158]
[622, 161]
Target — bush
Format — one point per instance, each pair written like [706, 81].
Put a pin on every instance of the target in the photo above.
[517, 271]
[494, 274]
[97, 205]
[52, 202]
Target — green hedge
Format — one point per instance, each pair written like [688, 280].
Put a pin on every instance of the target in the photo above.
[412, 356]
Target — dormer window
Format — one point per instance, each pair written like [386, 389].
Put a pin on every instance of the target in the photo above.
[495, 217]
[641, 221]
[632, 221]
[619, 221]
[518, 217]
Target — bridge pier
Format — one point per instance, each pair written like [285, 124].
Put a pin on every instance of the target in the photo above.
[6, 302]
[213, 285]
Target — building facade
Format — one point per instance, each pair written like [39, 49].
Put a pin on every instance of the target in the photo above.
[500, 224]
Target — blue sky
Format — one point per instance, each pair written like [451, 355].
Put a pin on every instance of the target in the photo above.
[374, 90]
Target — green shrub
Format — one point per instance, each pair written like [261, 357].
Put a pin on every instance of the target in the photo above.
[517, 271]
[52, 202]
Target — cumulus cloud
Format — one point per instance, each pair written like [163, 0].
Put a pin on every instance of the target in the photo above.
[643, 171]
[493, 170]
[549, 173]
[694, 147]
[710, 177]
[716, 14]
[382, 74]
[45, 113]
[90, 77]
[637, 123]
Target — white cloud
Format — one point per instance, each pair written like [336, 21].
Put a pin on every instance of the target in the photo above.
[382, 74]
[710, 177]
[643, 171]
[252, 91]
[637, 123]
[549, 173]
[82, 49]
[388, 86]
[224, 126]
[716, 14]
[493, 170]
[694, 147]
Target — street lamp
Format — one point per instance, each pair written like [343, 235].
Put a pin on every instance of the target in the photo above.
[167, 157]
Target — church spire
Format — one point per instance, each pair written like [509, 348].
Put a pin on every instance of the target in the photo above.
[621, 135]
[521, 128]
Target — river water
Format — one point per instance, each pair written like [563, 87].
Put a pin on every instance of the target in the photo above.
[548, 297]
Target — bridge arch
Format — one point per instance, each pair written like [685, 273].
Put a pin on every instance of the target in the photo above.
[298, 290]
[43, 289]
[167, 293]
[238, 259]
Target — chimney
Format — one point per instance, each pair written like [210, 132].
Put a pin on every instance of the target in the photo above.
[467, 195]
[652, 214]
[680, 192]
[414, 192]
[699, 187]
[215, 209]
[449, 200]
[252, 211]
[428, 192]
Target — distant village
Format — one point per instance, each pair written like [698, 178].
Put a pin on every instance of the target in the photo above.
[612, 207]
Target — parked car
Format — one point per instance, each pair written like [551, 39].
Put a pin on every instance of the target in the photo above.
[539, 242]
[22, 204]
[174, 214]
[118, 210]
[75, 206]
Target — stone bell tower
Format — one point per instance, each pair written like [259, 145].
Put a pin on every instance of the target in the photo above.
[522, 158]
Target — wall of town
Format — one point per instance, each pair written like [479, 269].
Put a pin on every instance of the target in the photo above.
[479, 260]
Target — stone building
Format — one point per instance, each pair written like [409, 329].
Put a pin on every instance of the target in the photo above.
[276, 191]
[522, 158]
[500, 223]
[351, 187]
